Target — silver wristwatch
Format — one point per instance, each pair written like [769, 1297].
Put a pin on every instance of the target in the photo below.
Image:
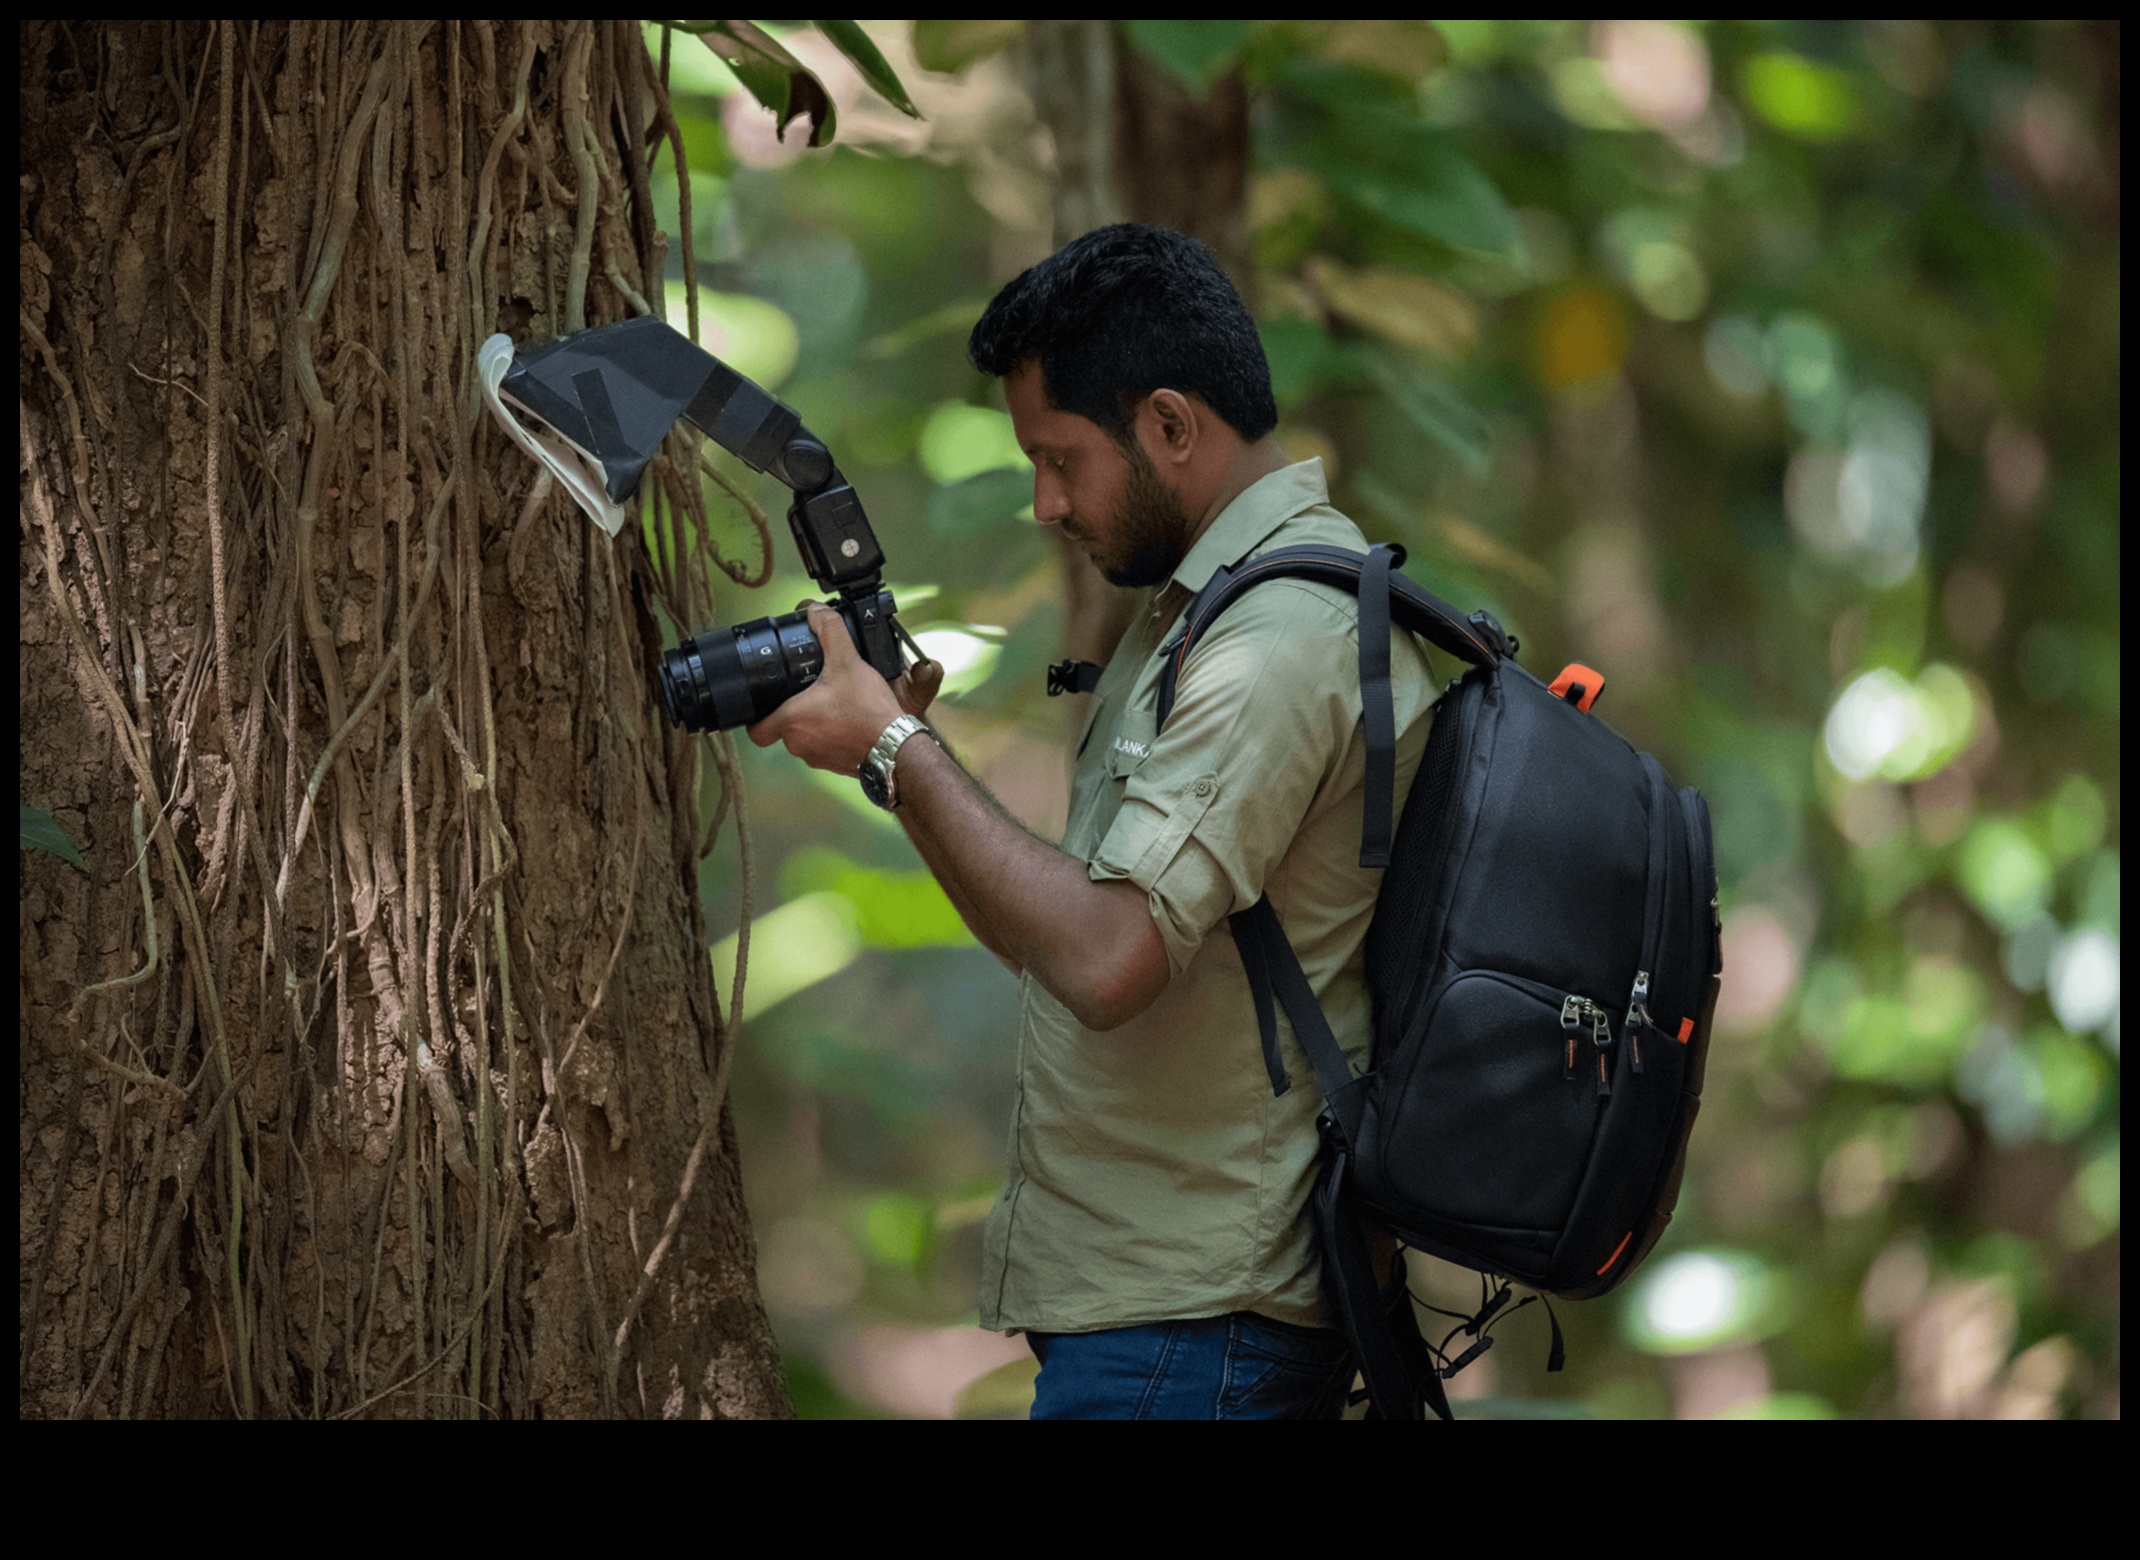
[878, 783]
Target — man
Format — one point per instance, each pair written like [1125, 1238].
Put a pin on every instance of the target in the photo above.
[1151, 1237]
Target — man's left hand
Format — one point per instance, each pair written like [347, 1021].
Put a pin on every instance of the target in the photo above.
[833, 723]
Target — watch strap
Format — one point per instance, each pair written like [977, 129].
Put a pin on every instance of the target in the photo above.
[884, 753]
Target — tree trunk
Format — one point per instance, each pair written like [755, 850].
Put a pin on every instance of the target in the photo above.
[372, 1065]
[1132, 142]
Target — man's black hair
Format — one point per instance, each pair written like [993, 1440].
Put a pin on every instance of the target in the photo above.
[1121, 312]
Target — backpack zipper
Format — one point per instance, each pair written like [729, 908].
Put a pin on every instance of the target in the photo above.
[1575, 1013]
[1638, 1014]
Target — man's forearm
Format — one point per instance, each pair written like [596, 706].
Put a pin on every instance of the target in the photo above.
[1041, 909]
[983, 929]
[1093, 946]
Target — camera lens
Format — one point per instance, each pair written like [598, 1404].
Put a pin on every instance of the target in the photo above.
[729, 677]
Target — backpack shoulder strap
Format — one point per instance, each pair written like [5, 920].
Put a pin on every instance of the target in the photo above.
[1385, 596]
[1411, 606]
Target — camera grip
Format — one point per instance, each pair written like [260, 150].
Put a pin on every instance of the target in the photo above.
[869, 622]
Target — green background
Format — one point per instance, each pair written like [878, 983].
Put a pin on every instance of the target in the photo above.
[1772, 369]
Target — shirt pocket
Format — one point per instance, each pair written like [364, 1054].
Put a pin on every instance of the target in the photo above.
[1132, 743]
[1093, 718]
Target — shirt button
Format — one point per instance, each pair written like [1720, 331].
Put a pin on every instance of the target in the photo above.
[1203, 786]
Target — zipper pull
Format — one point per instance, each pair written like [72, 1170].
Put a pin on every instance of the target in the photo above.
[1601, 1037]
[1638, 1014]
[1638, 1002]
[1571, 1013]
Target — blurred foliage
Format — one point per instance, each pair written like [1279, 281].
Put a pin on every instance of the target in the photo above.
[1772, 368]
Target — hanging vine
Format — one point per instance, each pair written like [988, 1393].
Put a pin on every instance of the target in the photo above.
[400, 802]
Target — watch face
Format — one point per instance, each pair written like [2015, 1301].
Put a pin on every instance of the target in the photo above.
[873, 785]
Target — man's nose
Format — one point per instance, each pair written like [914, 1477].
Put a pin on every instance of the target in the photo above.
[1051, 499]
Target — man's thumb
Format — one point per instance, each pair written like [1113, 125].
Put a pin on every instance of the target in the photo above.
[831, 631]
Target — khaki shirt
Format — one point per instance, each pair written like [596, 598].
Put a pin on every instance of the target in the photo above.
[1153, 1175]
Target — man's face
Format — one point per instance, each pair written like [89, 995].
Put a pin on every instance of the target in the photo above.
[1112, 504]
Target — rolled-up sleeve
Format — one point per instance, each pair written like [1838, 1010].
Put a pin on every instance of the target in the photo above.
[1263, 711]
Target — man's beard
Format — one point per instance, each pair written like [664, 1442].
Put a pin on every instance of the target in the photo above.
[1150, 530]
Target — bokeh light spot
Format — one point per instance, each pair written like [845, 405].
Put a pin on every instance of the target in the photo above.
[1659, 70]
[1801, 97]
[754, 337]
[2005, 873]
[1883, 724]
[1760, 968]
[1697, 1300]
[960, 440]
[2084, 979]
[1874, 717]
[1582, 338]
[1734, 348]
[968, 652]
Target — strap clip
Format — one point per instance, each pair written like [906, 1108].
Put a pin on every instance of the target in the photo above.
[1489, 628]
[1073, 677]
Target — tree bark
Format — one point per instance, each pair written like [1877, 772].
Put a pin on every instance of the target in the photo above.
[372, 1065]
[1131, 143]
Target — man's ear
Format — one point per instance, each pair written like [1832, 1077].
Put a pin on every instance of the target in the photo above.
[1175, 421]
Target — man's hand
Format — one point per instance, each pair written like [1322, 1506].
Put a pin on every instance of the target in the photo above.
[833, 723]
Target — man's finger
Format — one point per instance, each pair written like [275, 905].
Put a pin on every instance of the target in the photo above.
[831, 632]
[919, 685]
[767, 732]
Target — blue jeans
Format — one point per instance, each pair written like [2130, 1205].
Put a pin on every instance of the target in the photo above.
[1240, 1366]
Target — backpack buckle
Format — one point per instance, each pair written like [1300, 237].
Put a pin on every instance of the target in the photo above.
[1503, 643]
[1073, 676]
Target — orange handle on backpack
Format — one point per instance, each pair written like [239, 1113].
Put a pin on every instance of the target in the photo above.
[1577, 679]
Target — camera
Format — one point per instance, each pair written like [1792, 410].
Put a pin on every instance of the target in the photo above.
[729, 677]
[614, 392]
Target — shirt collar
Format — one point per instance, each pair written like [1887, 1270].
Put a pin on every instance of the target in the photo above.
[1258, 510]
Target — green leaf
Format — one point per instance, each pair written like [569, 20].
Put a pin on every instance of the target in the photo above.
[967, 508]
[852, 41]
[1365, 145]
[1433, 404]
[1413, 178]
[770, 74]
[890, 909]
[1301, 356]
[41, 831]
[952, 318]
[949, 46]
[1448, 575]
[1195, 51]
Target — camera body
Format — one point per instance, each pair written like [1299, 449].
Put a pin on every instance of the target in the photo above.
[614, 392]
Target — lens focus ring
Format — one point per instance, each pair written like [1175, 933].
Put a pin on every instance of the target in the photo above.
[726, 678]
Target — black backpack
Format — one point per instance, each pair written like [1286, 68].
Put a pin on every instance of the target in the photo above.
[1542, 969]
